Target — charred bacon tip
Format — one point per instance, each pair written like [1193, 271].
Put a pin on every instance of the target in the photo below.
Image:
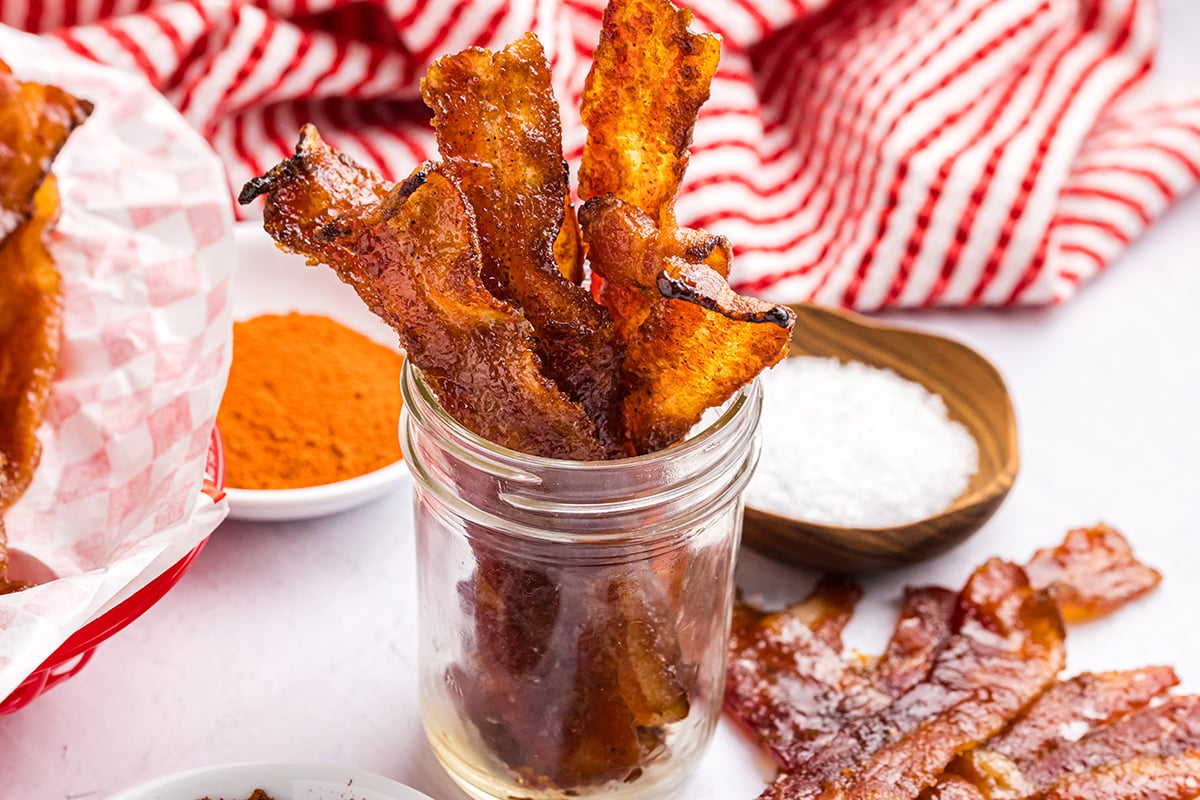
[681, 289]
[263, 184]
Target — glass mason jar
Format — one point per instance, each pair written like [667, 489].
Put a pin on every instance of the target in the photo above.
[573, 616]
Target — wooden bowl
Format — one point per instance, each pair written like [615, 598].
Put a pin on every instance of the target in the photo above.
[975, 395]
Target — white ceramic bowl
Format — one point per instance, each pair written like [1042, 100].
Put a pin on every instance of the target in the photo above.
[269, 281]
[279, 505]
[280, 781]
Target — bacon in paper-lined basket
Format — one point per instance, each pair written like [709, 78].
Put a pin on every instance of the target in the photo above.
[35, 121]
[143, 242]
[855, 150]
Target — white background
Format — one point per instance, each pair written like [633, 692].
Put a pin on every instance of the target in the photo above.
[295, 641]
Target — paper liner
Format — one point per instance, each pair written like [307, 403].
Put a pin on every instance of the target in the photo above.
[145, 246]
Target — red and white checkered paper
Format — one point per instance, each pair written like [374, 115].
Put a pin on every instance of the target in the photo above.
[865, 153]
[145, 247]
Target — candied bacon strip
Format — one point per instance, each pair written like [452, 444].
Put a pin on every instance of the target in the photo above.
[697, 347]
[612, 684]
[475, 352]
[828, 608]
[647, 82]
[31, 309]
[1079, 706]
[952, 787]
[789, 689]
[1152, 778]
[499, 134]
[568, 245]
[35, 122]
[626, 250]
[993, 774]
[650, 671]
[1006, 648]
[312, 188]
[923, 629]
[306, 192]
[5, 586]
[413, 258]
[649, 77]
[1093, 573]
[1163, 730]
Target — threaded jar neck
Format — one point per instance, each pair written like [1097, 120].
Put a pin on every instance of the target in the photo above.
[621, 502]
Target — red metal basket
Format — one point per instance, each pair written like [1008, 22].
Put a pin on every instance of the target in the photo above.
[76, 651]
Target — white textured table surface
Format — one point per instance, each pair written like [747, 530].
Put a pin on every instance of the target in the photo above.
[296, 641]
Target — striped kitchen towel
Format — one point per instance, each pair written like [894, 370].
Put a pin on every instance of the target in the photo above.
[865, 153]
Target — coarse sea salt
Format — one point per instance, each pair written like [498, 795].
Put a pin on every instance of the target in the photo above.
[853, 445]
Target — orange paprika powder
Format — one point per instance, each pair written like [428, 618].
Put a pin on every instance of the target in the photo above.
[308, 402]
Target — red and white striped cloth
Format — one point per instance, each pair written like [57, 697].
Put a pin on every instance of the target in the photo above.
[866, 153]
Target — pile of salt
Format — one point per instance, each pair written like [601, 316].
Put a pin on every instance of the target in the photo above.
[852, 445]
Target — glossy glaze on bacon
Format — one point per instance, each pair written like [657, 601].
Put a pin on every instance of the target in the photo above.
[1092, 573]
[966, 703]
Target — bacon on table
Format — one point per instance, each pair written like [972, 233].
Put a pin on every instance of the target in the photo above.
[1151, 778]
[1163, 730]
[965, 703]
[828, 608]
[921, 632]
[790, 688]
[1006, 647]
[952, 787]
[1074, 708]
[1092, 573]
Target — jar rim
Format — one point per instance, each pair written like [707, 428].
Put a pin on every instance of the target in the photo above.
[411, 376]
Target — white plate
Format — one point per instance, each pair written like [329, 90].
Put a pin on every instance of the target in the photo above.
[280, 781]
[270, 281]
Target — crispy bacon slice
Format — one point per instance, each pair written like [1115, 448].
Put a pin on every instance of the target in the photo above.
[611, 685]
[35, 121]
[1093, 573]
[923, 629]
[568, 245]
[993, 774]
[476, 352]
[649, 664]
[311, 189]
[690, 341]
[627, 250]
[30, 329]
[500, 138]
[1026, 770]
[1073, 708]
[790, 689]
[649, 77]
[697, 347]
[828, 608]
[1006, 648]
[414, 259]
[1163, 730]
[952, 787]
[689, 347]
[5, 586]
[967, 669]
[1173, 778]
